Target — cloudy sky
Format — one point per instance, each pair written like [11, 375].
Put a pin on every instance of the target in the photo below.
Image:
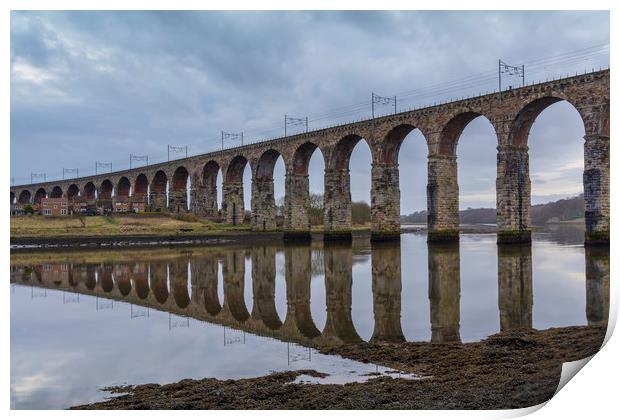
[89, 86]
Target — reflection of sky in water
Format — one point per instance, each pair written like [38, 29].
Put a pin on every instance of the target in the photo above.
[62, 350]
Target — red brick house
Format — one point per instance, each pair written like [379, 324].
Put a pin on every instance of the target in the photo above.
[58, 206]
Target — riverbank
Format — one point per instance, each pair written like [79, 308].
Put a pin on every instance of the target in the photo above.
[507, 370]
[33, 233]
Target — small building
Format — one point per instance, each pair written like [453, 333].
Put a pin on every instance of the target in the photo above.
[121, 204]
[17, 210]
[58, 206]
[138, 206]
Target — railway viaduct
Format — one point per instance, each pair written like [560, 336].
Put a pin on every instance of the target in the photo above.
[164, 185]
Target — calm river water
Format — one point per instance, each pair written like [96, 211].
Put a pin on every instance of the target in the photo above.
[84, 320]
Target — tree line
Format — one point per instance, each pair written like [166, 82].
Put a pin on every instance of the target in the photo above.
[555, 211]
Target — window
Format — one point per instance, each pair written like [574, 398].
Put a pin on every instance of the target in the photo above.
[47, 212]
[63, 212]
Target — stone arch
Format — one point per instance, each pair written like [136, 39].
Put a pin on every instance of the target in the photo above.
[234, 171]
[24, 197]
[39, 195]
[123, 187]
[140, 280]
[159, 282]
[385, 197]
[73, 191]
[158, 200]
[233, 205]
[107, 189]
[204, 193]
[233, 271]
[337, 198]
[513, 168]
[301, 158]
[90, 191]
[105, 278]
[297, 191]
[178, 193]
[178, 282]
[12, 197]
[442, 187]
[522, 123]
[390, 147]
[56, 192]
[341, 153]
[263, 196]
[159, 182]
[450, 133]
[122, 278]
[141, 185]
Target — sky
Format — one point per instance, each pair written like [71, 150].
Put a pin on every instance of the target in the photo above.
[99, 86]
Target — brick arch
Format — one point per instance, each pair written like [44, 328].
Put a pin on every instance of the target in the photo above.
[266, 164]
[107, 189]
[105, 278]
[451, 132]
[235, 169]
[39, 195]
[209, 173]
[302, 156]
[56, 192]
[140, 280]
[73, 191]
[123, 187]
[341, 153]
[24, 197]
[123, 281]
[159, 283]
[521, 125]
[179, 179]
[390, 147]
[158, 185]
[89, 191]
[141, 185]
[178, 284]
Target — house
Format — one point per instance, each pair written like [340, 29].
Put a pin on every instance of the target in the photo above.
[121, 204]
[17, 210]
[57, 206]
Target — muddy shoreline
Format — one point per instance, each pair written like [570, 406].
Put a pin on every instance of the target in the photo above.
[508, 370]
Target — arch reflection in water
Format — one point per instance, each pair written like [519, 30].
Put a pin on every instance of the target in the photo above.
[164, 283]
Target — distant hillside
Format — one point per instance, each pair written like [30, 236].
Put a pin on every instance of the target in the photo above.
[565, 209]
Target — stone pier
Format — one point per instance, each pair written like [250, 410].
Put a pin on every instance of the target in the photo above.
[233, 208]
[385, 202]
[596, 188]
[296, 207]
[513, 194]
[443, 199]
[263, 205]
[337, 205]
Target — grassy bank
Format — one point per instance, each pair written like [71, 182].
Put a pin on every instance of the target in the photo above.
[148, 224]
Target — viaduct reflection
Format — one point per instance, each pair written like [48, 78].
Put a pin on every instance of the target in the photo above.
[187, 285]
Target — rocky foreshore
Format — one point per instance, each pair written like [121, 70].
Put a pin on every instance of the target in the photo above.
[508, 370]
